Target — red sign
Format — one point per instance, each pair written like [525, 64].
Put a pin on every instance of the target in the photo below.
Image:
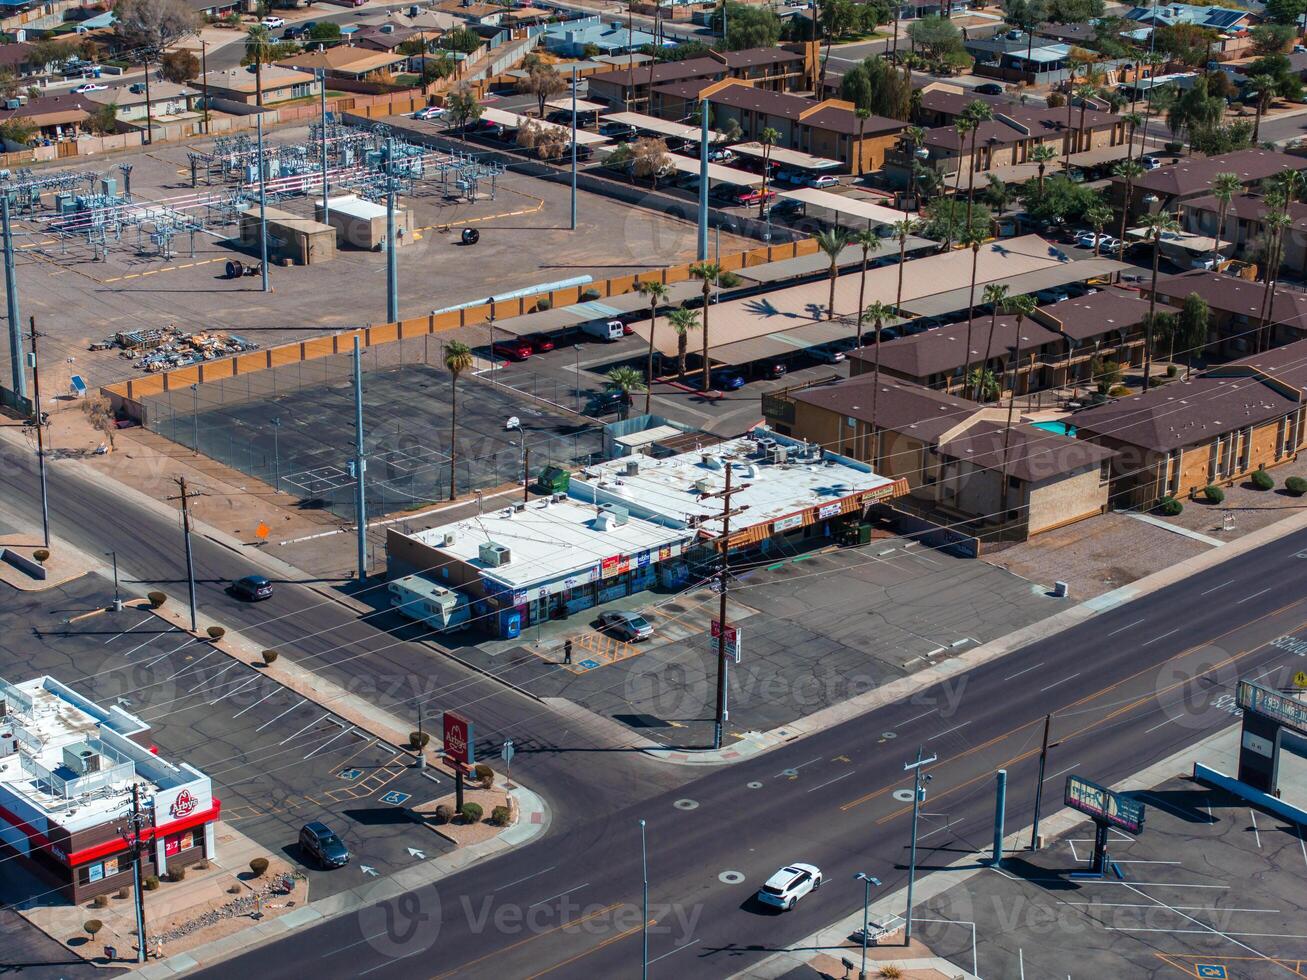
[458, 739]
[183, 806]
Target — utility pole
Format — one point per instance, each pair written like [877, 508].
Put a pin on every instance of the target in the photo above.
[1000, 814]
[723, 577]
[422, 750]
[11, 298]
[134, 840]
[263, 209]
[190, 562]
[117, 596]
[360, 464]
[701, 253]
[322, 97]
[918, 794]
[572, 227]
[1039, 787]
[40, 437]
[392, 268]
[204, 82]
[644, 929]
[526, 471]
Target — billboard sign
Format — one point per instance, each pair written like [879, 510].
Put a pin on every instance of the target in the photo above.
[1281, 708]
[180, 802]
[1102, 804]
[459, 739]
[733, 640]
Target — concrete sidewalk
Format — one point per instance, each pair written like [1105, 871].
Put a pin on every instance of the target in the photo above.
[755, 743]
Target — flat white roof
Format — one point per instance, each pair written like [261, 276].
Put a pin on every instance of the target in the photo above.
[843, 204]
[670, 489]
[357, 207]
[729, 175]
[786, 157]
[582, 105]
[663, 127]
[548, 540]
[502, 117]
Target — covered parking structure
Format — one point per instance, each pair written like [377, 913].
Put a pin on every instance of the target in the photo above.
[667, 128]
[785, 157]
[1054, 277]
[858, 211]
[612, 308]
[513, 120]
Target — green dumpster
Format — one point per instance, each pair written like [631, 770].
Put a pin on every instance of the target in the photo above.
[553, 479]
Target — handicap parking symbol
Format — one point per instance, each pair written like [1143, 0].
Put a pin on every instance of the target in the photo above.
[1209, 971]
[350, 773]
[589, 664]
[395, 798]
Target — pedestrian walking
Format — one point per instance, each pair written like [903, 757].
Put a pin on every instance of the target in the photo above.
[567, 652]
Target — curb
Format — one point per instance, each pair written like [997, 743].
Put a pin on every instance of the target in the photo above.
[889, 910]
[905, 687]
[534, 821]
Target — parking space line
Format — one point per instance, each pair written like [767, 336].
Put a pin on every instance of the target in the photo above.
[302, 730]
[258, 702]
[140, 646]
[1203, 926]
[1256, 833]
[329, 741]
[177, 649]
[282, 715]
[128, 630]
[240, 687]
[192, 666]
[209, 680]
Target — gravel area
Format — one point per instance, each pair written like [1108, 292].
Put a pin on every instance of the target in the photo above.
[1249, 509]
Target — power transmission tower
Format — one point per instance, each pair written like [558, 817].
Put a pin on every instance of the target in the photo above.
[723, 577]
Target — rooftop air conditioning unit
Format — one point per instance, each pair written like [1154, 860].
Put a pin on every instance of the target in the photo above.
[604, 521]
[619, 513]
[703, 485]
[494, 555]
[449, 538]
[387, 28]
[632, 468]
[518, 508]
[81, 758]
[779, 454]
[558, 498]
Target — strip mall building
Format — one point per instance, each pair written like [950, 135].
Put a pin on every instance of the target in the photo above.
[67, 770]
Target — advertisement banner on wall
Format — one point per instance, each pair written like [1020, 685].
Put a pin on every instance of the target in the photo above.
[612, 566]
[642, 559]
[830, 510]
[787, 523]
[459, 739]
[171, 805]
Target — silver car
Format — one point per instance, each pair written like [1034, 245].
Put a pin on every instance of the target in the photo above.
[630, 626]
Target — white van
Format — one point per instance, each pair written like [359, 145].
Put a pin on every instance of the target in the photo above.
[605, 330]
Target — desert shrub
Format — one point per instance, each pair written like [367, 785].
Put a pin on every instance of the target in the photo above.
[1169, 507]
[418, 740]
[259, 866]
[1262, 480]
[500, 816]
[151, 883]
[157, 599]
[270, 657]
[1296, 485]
[471, 812]
[1213, 494]
[484, 775]
[216, 632]
[444, 813]
[41, 555]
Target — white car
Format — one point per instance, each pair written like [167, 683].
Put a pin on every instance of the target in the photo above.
[826, 355]
[823, 182]
[1150, 163]
[90, 87]
[272, 23]
[784, 889]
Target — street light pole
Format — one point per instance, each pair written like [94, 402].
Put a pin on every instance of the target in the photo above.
[40, 436]
[322, 99]
[190, 561]
[867, 881]
[276, 453]
[117, 596]
[918, 794]
[360, 465]
[577, 398]
[573, 224]
[11, 299]
[644, 872]
[263, 208]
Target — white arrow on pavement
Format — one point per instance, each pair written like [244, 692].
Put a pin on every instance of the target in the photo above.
[414, 852]
[368, 871]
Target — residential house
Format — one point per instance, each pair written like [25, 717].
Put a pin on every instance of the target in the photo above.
[1245, 228]
[17, 57]
[390, 37]
[54, 118]
[434, 22]
[830, 128]
[585, 36]
[476, 14]
[784, 68]
[1218, 427]
[964, 467]
[1166, 188]
[1212, 18]
[1236, 308]
[168, 101]
[279, 84]
[1018, 59]
[214, 9]
[353, 64]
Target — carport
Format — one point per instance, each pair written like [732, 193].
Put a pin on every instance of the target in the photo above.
[661, 127]
[794, 159]
[846, 206]
[716, 172]
[818, 264]
[512, 120]
[566, 317]
[942, 304]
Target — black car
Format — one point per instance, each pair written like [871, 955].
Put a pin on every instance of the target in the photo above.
[786, 208]
[320, 842]
[252, 588]
[989, 88]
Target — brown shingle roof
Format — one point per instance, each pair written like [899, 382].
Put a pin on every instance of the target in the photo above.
[1103, 312]
[944, 349]
[1250, 207]
[833, 118]
[901, 406]
[1033, 454]
[670, 72]
[1229, 294]
[1194, 174]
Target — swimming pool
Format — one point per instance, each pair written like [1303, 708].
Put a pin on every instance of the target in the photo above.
[1061, 428]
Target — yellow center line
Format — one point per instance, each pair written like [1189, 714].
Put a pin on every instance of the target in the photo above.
[523, 942]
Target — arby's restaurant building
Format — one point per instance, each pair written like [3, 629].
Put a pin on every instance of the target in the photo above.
[79, 783]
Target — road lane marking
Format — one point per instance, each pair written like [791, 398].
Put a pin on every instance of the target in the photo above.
[532, 938]
[1162, 637]
[918, 717]
[282, 715]
[1026, 671]
[545, 901]
[829, 781]
[1162, 725]
[948, 731]
[1062, 681]
[1254, 595]
[1216, 588]
[607, 942]
[794, 769]
[1124, 628]
[1063, 773]
[527, 878]
[676, 950]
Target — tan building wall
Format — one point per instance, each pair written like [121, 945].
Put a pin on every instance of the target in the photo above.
[1067, 499]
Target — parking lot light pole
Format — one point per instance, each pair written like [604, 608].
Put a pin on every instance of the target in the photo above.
[701, 253]
[117, 596]
[867, 881]
[190, 559]
[392, 260]
[644, 928]
[276, 453]
[195, 416]
[40, 437]
[1039, 787]
[11, 299]
[360, 464]
[918, 794]
[263, 209]
[573, 224]
[322, 94]
[577, 349]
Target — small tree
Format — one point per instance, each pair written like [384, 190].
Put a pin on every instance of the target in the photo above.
[1262, 480]
[1213, 494]
[1296, 486]
[41, 555]
[92, 926]
[258, 866]
[270, 657]
[17, 131]
[152, 883]
[544, 82]
[157, 599]
[463, 107]
[100, 414]
[216, 632]
[471, 813]
[1169, 507]
[484, 775]
[324, 32]
[500, 816]
[418, 740]
[179, 66]
[444, 813]
[650, 159]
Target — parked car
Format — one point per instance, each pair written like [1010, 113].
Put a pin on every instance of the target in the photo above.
[321, 843]
[784, 889]
[721, 155]
[989, 88]
[1150, 163]
[605, 330]
[619, 132]
[786, 209]
[272, 23]
[629, 626]
[430, 112]
[540, 343]
[823, 181]
[826, 355]
[294, 32]
[753, 195]
[516, 349]
[90, 87]
[1106, 243]
[726, 379]
[774, 369]
[252, 588]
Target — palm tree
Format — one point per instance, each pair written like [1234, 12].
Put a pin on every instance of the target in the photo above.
[1133, 121]
[863, 114]
[709, 273]
[682, 320]
[258, 48]
[1224, 187]
[656, 293]
[962, 125]
[1021, 307]
[769, 137]
[1043, 155]
[914, 136]
[458, 358]
[1155, 225]
[624, 380]
[902, 229]
[869, 242]
[994, 296]
[1098, 215]
[1129, 171]
[1084, 93]
[1275, 222]
[833, 241]
[978, 112]
[877, 313]
[973, 240]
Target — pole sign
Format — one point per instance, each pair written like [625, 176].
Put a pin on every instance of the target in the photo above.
[507, 752]
[1284, 709]
[458, 739]
[733, 641]
[1103, 805]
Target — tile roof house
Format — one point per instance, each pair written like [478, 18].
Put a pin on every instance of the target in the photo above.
[1192, 177]
[1236, 306]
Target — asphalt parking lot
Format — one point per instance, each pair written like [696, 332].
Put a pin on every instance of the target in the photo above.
[1211, 889]
[277, 760]
[302, 439]
[818, 627]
